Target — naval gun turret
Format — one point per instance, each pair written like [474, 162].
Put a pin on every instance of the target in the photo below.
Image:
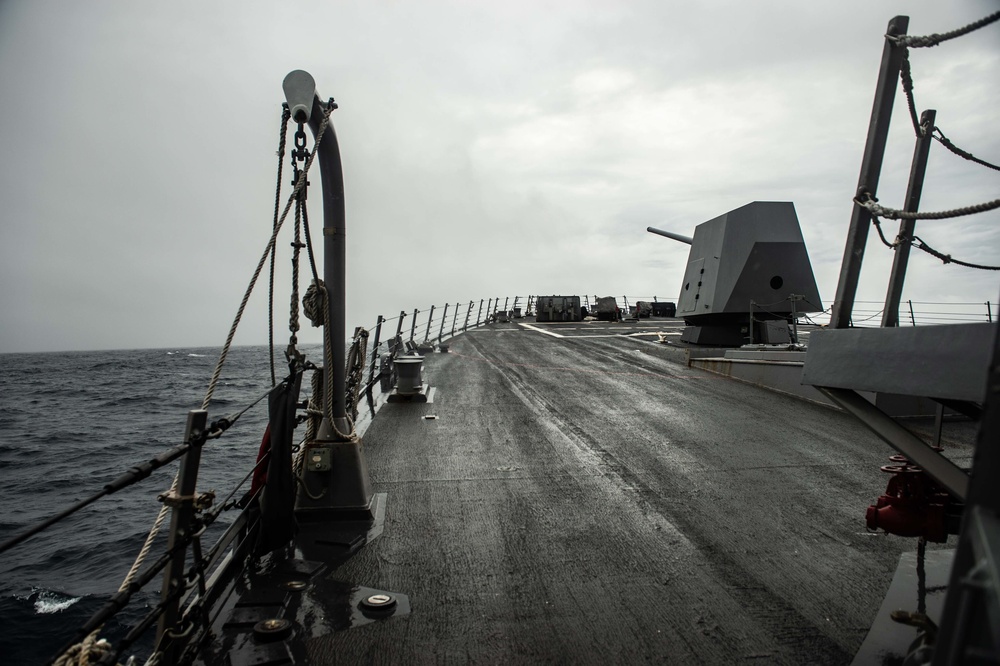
[748, 275]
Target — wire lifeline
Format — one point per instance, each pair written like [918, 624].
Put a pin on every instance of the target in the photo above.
[939, 136]
[934, 39]
[921, 130]
[906, 78]
[896, 214]
[920, 244]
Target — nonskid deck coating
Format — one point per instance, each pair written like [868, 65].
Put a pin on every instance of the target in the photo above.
[591, 500]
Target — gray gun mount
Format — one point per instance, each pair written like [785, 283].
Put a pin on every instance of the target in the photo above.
[748, 274]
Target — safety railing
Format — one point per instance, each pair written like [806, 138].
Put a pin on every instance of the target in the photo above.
[869, 314]
[423, 328]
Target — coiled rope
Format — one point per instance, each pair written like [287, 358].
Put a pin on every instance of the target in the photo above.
[315, 307]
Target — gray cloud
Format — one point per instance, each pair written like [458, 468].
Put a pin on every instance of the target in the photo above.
[488, 149]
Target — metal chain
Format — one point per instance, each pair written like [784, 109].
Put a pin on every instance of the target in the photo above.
[935, 39]
[300, 154]
[293, 312]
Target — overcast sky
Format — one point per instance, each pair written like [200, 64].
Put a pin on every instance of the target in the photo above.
[490, 149]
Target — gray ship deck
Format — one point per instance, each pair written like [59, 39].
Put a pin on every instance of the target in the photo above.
[584, 497]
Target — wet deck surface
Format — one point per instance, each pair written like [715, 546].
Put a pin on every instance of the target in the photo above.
[583, 497]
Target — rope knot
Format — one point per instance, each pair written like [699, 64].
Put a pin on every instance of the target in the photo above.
[314, 303]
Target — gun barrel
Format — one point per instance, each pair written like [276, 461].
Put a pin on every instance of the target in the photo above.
[669, 234]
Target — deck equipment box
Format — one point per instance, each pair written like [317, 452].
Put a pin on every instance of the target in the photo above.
[558, 308]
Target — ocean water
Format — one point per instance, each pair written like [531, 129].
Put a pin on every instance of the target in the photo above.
[69, 423]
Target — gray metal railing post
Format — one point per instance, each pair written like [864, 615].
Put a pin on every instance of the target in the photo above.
[989, 312]
[399, 330]
[505, 299]
[182, 500]
[454, 321]
[399, 323]
[795, 320]
[488, 306]
[378, 335]
[430, 318]
[444, 317]
[871, 167]
[901, 256]
[413, 325]
[913, 320]
[468, 313]
[479, 315]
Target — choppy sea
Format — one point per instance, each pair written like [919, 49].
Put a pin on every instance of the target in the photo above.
[71, 422]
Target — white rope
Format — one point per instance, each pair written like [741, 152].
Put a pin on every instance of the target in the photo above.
[81, 654]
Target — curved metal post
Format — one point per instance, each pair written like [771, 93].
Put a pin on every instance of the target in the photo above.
[306, 106]
[336, 463]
